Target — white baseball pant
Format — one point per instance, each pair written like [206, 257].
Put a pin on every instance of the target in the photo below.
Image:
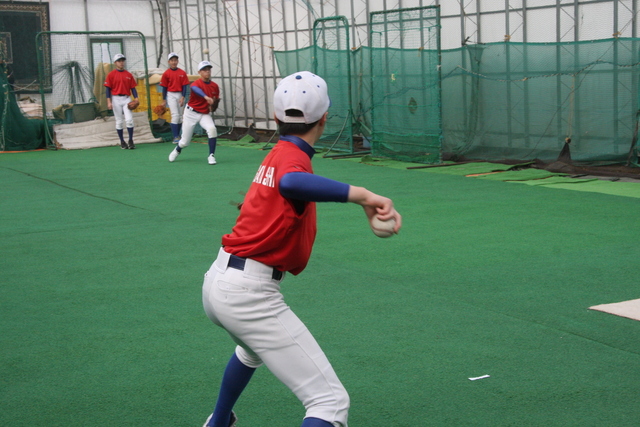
[189, 121]
[121, 112]
[249, 306]
[173, 102]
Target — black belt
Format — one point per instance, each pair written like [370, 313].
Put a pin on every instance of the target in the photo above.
[120, 95]
[194, 110]
[238, 263]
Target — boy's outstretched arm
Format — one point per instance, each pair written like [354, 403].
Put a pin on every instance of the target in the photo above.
[313, 188]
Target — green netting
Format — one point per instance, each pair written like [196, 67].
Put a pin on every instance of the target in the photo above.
[331, 59]
[17, 131]
[405, 63]
[498, 101]
[291, 61]
[390, 96]
[522, 101]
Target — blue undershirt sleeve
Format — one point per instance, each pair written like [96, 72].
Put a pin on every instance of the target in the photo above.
[184, 90]
[197, 90]
[134, 92]
[313, 188]
[164, 92]
[108, 92]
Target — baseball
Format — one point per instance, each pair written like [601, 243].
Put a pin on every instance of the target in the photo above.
[382, 228]
[205, 51]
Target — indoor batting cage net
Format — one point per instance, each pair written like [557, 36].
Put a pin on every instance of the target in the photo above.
[72, 67]
[388, 94]
[332, 60]
[520, 101]
[504, 101]
[405, 84]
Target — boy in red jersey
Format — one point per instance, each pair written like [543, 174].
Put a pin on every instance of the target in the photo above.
[204, 99]
[174, 84]
[274, 234]
[120, 84]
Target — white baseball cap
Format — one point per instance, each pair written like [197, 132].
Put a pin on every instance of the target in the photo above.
[173, 55]
[204, 64]
[118, 56]
[303, 91]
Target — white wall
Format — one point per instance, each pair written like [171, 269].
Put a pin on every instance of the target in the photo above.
[105, 15]
[67, 15]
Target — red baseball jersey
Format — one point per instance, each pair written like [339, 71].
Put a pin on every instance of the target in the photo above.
[197, 102]
[120, 82]
[270, 229]
[173, 80]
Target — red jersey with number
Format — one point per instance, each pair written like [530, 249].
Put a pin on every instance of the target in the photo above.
[120, 82]
[197, 102]
[271, 229]
[173, 80]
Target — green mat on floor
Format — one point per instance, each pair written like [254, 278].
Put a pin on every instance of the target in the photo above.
[521, 174]
[103, 252]
[518, 175]
[626, 189]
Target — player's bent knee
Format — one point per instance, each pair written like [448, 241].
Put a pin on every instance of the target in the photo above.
[212, 132]
[334, 408]
[248, 359]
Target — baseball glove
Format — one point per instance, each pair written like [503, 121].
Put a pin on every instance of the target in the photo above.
[159, 110]
[133, 104]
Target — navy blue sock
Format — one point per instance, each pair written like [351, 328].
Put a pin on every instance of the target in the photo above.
[130, 131]
[178, 148]
[174, 129]
[178, 129]
[235, 379]
[212, 145]
[315, 422]
[120, 134]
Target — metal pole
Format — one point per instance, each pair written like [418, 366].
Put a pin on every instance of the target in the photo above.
[262, 61]
[167, 15]
[202, 39]
[228, 61]
[527, 110]
[507, 47]
[465, 87]
[185, 44]
[559, 77]
[616, 77]
[576, 98]
[269, 117]
[242, 65]
[155, 36]
[478, 28]
[86, 16]
[634, 19]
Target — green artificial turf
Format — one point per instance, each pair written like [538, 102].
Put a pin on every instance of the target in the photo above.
[101, 323]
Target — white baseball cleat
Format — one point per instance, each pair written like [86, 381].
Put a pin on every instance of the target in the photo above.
[232, 421]
[211, 159]
[174, 155]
